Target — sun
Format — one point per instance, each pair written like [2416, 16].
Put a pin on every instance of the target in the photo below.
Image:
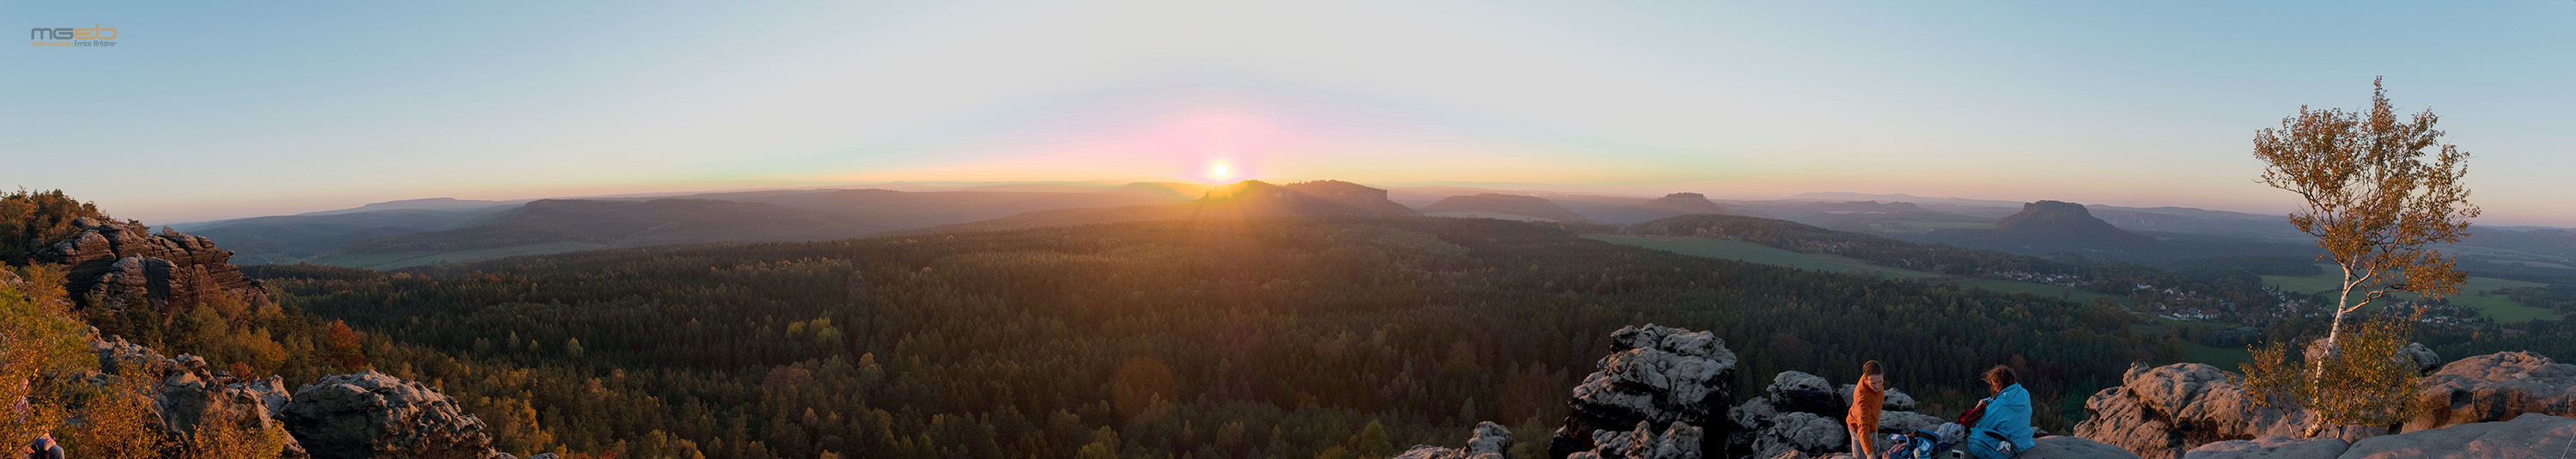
[1219, 172]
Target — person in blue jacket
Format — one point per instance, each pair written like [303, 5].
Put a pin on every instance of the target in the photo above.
[2005, 428]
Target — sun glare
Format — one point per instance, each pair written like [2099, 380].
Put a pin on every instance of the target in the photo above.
[1218, 172]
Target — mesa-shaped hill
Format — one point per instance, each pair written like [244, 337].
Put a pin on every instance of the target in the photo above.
[2066, 223]
[1240, 200]
[1502, 206]
[1684, 204]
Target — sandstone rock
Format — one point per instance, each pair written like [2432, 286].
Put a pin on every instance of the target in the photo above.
[1655, 377]
[2495, 387]
[2530, 435]
[1489, 441]
[2162, 412]
[1793, 391]
[1679, 441]
[1908, 421]
[2063, 447]
[369, 414]
[1801, 432]
[187, 393]
[112, 260]
[2271, 448]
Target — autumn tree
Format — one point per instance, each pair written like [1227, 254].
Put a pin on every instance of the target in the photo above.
[2379, 192]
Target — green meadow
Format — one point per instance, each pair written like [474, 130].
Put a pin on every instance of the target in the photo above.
[2472, 294]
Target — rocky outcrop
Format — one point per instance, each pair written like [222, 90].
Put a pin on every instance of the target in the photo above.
[1488, 441]
[187, 396]
[369, 414]
[363, 415]
[115, 260]
[2161, 412]
[1803, 413]
[1678, 441]
[2271, 448]
[2495, 387]
[2528, 435]
[2064, 447]
[1656, 379]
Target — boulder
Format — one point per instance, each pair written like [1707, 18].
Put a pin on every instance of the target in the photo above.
[370, 414]
[2272, 448]
[2063, 447]
[2529, 435]
[1793, 391]
[1805, 433]
[1896, 399]
[2162, 412]
[1488, 441]
[1654, 377]
[2495, 387]
[1678, 441]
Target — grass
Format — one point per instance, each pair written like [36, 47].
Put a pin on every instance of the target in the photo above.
[409, 259]
[2472, 294]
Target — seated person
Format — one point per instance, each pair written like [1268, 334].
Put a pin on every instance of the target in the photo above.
[2004, 428]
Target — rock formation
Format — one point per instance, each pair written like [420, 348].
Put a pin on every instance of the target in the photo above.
[361, 415]
[1489, 441]
[2495, 387]
[114, 260]
[1657, 387]
[187, 392]
[2271, 447]
[1803, 413]
[369, 414]
[2163, 412]
[2529, 435]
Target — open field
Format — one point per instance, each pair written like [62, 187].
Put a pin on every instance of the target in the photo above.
[2472, 294]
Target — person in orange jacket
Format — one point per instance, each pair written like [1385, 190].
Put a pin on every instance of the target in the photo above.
[1868, 398]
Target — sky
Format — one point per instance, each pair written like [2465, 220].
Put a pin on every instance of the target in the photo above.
[206, 110]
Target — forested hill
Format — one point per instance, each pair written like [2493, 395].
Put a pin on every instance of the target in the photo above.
[1335, 336]
[2220, 289]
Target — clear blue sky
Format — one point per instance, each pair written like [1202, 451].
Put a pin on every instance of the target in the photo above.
[210, 110]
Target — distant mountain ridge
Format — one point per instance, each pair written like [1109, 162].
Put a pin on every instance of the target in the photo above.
[632, 223]
[1240, 200]
[1506, 204]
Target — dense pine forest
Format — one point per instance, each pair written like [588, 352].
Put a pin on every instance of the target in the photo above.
[1339, 337]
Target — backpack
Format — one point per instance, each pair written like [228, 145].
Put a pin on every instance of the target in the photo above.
[1970, 417]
